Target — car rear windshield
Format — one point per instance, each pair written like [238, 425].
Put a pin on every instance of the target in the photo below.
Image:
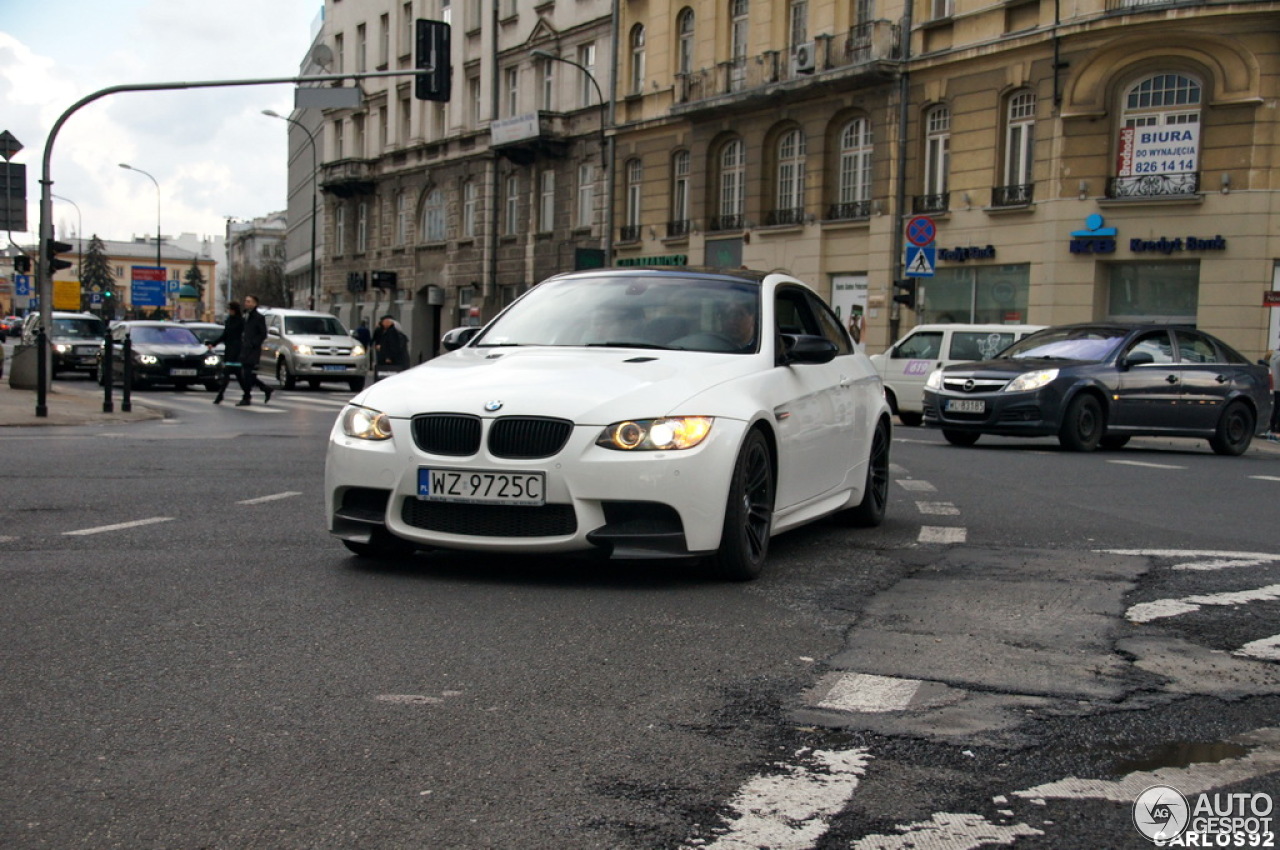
[163, 336]
[79, 328]
[1073, 343]
[313, 326]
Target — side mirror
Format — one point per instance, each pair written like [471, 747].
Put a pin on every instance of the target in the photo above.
[1138, 358]
[273, 332]
[803, 348]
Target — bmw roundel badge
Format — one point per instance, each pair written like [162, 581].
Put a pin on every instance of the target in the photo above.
[491, 406]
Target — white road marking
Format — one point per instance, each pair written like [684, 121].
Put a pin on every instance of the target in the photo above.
[1267, 649]
[273, 497]
[791, 810]
[1223, 559]
[947, 832]
[863, 692]
[942, 534]
[1145, 612]
[119, 526]
[915, 486]
[1266, 477]
[1146, 464]
[938, 508]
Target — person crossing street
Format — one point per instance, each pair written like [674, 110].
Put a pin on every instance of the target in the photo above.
[255, 334]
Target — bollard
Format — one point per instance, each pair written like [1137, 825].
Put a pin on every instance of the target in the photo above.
[126, 393]
[105, 369]
[42, 374]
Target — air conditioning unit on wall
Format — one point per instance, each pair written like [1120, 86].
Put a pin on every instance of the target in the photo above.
[803, 58]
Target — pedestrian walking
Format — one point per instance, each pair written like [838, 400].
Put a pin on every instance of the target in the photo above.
[391, 347]
[1275, 391]
[363, 336]
[231, 339]
[255, 334]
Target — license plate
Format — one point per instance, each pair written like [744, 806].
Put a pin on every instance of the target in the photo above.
[182, 373]
[338, 368]
[483, 488]
[964, 405]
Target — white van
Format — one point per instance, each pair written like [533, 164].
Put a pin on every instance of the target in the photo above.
[907, 364]
[313, 347]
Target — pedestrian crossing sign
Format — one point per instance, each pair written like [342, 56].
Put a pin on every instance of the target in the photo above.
[921, 260]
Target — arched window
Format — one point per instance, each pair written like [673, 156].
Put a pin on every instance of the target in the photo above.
[432, 221]
[637, 59]
[684, 45]
[789, 200]
[1019, 151]
[1159, 146]
[854, 187]
[937, 152]
[730, 187]
[679, 223]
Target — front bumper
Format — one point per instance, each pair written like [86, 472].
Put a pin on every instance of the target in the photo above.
[1037, 413]
[73, 357]
[333, 367]
[626, 504]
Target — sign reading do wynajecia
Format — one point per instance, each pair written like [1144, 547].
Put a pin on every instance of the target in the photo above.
[1166, 149]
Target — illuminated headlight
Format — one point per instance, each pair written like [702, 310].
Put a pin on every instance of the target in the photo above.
[934, 381]
[304, 350]
[365, 423]
[62, 348]
[678, 432]
[1031, 381]
[212, 360]
[148, 359]
[357, 351]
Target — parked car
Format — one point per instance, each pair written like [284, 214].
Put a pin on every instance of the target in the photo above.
[635, 413]
[10, 326]
[163, 353]
[1097, 385]
[909, 361]
[75, 340]
[312, 346]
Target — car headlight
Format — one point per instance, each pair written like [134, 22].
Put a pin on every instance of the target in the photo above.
[365, 423]
[212, 360]
[148, 359]
[357, 351]
[934, 381]
[62, 348]
[677, 432]
[1031, 381]
[304, 350]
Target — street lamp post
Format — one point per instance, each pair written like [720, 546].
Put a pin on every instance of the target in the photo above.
[159, 263]
[314, 171]
[606, 147]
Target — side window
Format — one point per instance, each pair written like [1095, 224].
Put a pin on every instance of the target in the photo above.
[978, 345]
[1157, 345]
[788, 315]
[1194, 348]
[919, 346]
[831, 327]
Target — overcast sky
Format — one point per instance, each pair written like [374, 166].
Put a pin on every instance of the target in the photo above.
[211, 150]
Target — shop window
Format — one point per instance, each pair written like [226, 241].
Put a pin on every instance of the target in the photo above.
[1153, 292]
[976, 295]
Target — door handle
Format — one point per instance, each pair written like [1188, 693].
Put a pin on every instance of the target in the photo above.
[1171, 379]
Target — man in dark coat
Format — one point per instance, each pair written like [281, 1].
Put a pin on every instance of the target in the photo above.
[392, 347]
[231, 339]
[255, 334]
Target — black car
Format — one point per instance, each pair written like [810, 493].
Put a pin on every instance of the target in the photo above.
[163, 353]
[1094, 385]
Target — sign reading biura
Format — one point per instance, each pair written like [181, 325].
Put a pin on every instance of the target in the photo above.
[1169, 149]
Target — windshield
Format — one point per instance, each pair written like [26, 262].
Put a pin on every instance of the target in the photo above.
[206, 334]
[79, 328]
[688, 313]
[313, 326]
[163, 336]
[1070, 343]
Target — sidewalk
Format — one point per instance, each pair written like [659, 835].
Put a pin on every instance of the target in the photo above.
[68, 406]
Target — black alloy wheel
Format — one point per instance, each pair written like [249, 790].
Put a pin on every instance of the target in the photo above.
[748, 516]
[875, 498]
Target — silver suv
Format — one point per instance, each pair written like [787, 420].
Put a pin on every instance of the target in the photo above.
[311, 346]
[75, 340]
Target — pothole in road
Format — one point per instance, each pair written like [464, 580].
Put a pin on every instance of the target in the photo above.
[1177, 754]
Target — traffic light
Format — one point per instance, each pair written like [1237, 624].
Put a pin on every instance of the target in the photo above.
[431, 60]
[22, 264]
[52, 250]
[904, 293]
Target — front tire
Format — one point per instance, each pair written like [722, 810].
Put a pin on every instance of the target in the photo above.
[875, 498]
[1114, 442]
[1083, 425]
[960, 438]
[911, 420]
[356, 384]
[1235, 430]
[748, 515]
[283, 376]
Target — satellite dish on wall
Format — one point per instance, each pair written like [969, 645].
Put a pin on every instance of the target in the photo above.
[322, 55]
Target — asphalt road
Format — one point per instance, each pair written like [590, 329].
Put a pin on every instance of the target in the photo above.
[189, 660]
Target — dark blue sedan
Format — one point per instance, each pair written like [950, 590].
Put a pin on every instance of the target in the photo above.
[1094, 385]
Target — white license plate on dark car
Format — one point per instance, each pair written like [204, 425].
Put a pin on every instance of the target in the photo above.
[182, 373]
[966, 405]
[485, 488]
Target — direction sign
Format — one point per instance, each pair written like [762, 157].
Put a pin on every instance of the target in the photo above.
[921, 260]
[921, 231]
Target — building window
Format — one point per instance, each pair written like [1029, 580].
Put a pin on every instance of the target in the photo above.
[547, 200]
[408, 30]
[937, 152]
[587, 59]
[635, 186]
[1153, 292]
[637, 59]
[1159, 112]
[789, 201]
[679, 224]
[853, 194]
[339, 53]
[362, 227]
[942, 9]
[586, 194]
[977, 294]
[384, 123]
[798, 22]
[684, 48]
[737, 43]
[406, 120]
[731, 187]
[433, 220]
[357, 136]
[384, 41]
[339, 141]
[340, 229]
[1019, 151]
[512, 77]
[476, 104]
[446, 11]
[362, 48]
[402, 217]
[511, 217]
[469, 208]
[862, 11]
[546, 87]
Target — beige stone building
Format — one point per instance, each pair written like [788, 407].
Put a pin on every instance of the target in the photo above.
[1104, 159]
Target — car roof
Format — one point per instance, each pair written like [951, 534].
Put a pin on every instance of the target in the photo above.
[289, 311]
[743, 275]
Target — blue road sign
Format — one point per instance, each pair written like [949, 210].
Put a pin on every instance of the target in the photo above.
[921, 260]
[173, 286]
[921, 231]
[22, 284]
[147, 293]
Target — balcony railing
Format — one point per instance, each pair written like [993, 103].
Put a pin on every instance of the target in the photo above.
[1154, 185]
[629, 233]
[861, 45]
[1013, 196]
[725, 222]
[849, 211]
[794, 215]
[679, 228]
[922, 204]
